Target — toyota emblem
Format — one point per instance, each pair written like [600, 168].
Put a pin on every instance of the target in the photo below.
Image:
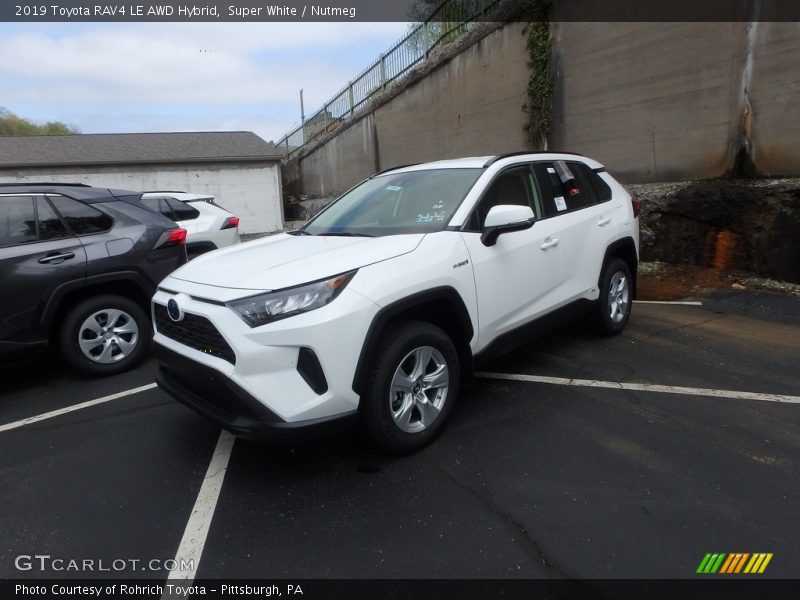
[173, 310]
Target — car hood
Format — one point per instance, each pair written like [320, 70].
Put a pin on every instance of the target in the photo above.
[284, 260]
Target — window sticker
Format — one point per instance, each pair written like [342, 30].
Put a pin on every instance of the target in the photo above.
[430, 218]
[439, 204]
[564, 174]
[560, 204]
[393, 188]
[551, 170]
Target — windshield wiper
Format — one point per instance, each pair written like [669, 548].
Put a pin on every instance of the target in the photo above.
[299, 232]
[346, 234]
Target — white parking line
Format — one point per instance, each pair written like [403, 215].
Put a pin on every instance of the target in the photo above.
[194, 536]
[74, 407]
[678, 302]
[644, 387]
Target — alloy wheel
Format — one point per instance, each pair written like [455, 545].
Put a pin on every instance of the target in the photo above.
[418, 389]
[618, 297]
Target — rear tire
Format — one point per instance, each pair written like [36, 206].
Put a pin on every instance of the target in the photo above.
[105, 335]
[413, 386]
[616, 297]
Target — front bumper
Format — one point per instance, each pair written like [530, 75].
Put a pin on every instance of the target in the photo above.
[289, 375]
[216, 397]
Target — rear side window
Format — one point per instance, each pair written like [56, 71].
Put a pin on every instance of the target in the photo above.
[182, 211]
[171, 208]
[81, 218]
[17, 220]
[157, 205]
[600, 188]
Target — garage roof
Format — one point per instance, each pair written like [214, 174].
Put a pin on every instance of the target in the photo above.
[129, 148]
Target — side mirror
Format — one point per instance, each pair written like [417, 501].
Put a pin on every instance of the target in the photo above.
[505, 218]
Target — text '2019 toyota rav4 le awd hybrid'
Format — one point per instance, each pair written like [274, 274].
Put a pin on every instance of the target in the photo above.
[375, 309]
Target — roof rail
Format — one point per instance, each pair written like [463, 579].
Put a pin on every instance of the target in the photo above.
[165, 192]
[43, 183]
[494, 159]
[394, 169]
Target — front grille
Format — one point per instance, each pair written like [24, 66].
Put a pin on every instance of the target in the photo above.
[194, 331]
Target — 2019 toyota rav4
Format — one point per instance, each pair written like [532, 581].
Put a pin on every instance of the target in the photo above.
[208, 226]
[78, 266]
[375, 310]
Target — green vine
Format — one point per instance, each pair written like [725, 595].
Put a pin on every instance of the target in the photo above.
[540, 82]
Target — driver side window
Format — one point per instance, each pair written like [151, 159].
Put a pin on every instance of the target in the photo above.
[513, 186]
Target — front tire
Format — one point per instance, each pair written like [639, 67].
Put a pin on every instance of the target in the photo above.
[414, 384]
[105, 335]
[616, 297]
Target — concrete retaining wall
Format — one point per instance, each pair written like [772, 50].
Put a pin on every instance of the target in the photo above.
[470, 105]
[653, 101]
[677, 101]
[775, 98]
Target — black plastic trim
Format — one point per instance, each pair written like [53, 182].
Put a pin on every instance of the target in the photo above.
[193, 331]
[613, 248]
[194, 384]
[390, 311]
[494, 159]
[310, 369]
[491, 233]
[45, 183]
[534, 329]
[53, 303]
[194, 249]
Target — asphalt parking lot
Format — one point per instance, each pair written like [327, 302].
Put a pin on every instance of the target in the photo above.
[573, 476]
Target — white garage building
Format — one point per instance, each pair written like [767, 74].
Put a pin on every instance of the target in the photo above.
[238, 168]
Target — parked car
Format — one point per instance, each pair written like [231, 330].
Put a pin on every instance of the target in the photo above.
[208, 226]
[78, 267]
[376, 309]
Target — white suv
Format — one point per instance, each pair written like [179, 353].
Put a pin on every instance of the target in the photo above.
[377, 309]
[208, 226]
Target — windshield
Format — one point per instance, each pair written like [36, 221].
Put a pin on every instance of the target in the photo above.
[413, 202]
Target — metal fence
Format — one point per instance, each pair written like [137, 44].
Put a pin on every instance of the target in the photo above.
[445, 24]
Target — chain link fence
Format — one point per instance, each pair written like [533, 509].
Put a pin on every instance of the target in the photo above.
[450, 20]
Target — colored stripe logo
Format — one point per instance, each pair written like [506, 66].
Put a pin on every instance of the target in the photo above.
[734, 563]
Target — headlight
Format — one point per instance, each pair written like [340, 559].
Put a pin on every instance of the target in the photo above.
[273, 306]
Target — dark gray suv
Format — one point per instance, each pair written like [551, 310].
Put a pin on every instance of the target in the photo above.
[78, 266]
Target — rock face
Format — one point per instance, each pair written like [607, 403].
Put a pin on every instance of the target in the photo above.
[751, 225]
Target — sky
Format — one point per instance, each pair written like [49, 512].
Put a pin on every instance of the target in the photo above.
[151, 77]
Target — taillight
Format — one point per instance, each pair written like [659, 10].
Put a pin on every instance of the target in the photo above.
[172, 237]
[177, 236]
[230, 223]
[637, 207]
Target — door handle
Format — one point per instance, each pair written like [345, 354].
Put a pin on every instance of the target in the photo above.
[56, 257]
[553, 242]
[603, 221]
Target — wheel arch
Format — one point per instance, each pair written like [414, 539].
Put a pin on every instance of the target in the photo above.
[441, 306]
[624, 249]
[131, 285]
